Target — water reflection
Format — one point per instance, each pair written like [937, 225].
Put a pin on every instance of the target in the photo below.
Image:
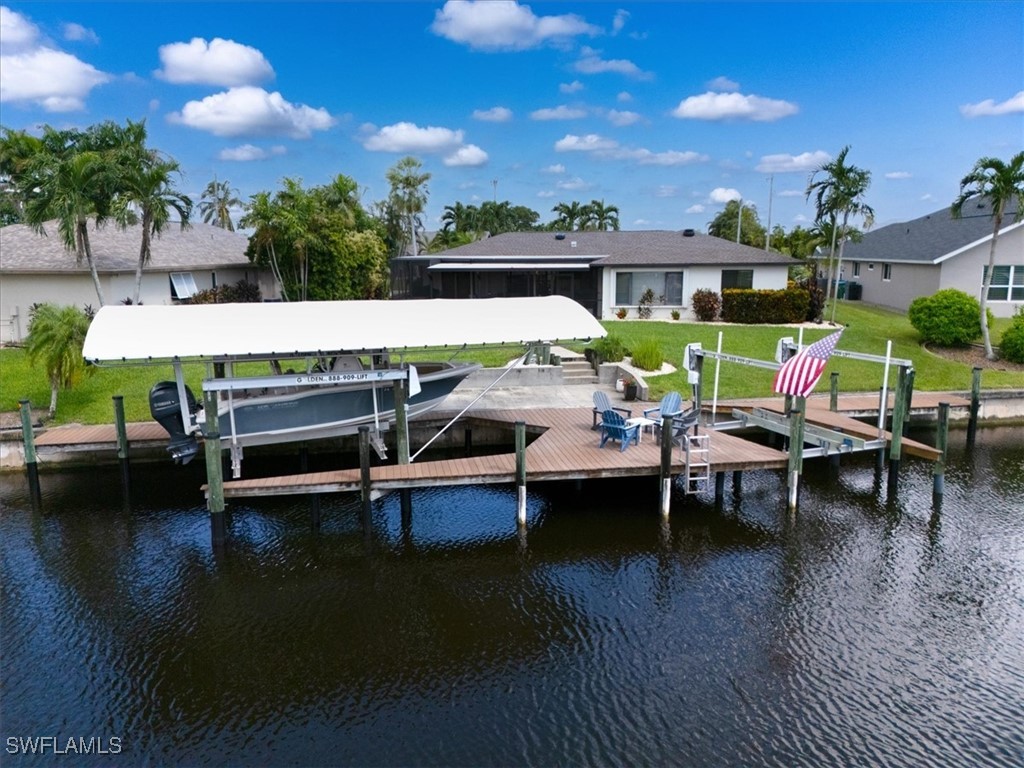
[868, 628]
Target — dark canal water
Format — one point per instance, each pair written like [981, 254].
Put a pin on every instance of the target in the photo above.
[865, 630]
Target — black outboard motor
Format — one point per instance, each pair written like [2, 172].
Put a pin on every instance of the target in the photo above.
[165, 405]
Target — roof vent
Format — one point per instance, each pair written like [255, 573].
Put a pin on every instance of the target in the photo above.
[573, 243]
[560, 236]
[688, 233]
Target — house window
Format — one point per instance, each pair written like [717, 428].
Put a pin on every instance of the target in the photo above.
[871, 267]
[856, 269]
[666, 286]
[183, 285]
[887, 271]
[737, 278]
[1007, 283]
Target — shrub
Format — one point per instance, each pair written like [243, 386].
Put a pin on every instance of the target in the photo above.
[621, 313]
[647, 355]
[675, 314]
[1011, 346]
[706, 304]
[609, 349]
[743, 305]
[645, 308]
[949, 318]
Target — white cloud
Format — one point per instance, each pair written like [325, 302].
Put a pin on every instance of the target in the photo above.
[698, 208]
[573, 185]
[556, 168]
[219, 62]
[591, 63]
[560, 112]
[646, 157]
[989, 108]
[251, 111]
[589, 143]
[545, 193]
[623, 117]
[734, 106]
[791, 193]
[493, 25]
[409, 137]
[666, 190]
[572, 87]
[927, 197]
[619, 21]
[722, 83]
[723, 195]
[33, 72]
[898, 175]
[624, 97]
[468, 156]
[247, 152]
[493, 115]
[784, 163]
[77, 33]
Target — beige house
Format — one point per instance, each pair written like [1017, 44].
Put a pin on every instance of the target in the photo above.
[36, 268]
[897, 263]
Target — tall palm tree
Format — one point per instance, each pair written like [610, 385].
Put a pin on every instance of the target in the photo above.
[409, 194]
[1001, 183]
[460, 218]
[149, 187]
[570, 215]
[216, 203]
[55, 338]
[839, 192]
[603, 217]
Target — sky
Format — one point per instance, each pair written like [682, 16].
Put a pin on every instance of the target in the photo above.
[666, 110]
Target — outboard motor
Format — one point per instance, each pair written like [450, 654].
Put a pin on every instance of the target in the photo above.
[165, 405]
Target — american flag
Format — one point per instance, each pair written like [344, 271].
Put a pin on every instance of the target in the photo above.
[801, 372]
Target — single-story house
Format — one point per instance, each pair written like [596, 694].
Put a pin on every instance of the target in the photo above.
[36, 268]
[895, 264]
[603, 271]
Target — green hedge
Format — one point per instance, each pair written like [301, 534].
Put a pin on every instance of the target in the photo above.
[744, 305]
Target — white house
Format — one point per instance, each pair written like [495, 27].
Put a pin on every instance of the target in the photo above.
[899, 262]
[36, 268]
[603, 271]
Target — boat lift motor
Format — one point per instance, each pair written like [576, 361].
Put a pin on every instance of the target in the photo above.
[165, 406]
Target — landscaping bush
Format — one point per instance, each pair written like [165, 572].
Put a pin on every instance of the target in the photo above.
[647, 355]
[949, 318]
[706, 305]
[609, 349]
[645, 308]
[1011, 347]
[744, 305]
[621, 313]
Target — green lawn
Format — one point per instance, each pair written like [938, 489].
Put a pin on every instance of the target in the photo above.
[867, 331]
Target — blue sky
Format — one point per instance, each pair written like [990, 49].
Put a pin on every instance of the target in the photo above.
[666, 110]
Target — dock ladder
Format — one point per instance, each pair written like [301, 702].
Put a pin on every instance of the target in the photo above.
[698, 462]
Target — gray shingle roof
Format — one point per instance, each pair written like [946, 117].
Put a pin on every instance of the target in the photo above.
[201, 246]
[928, 239]
[635, 248]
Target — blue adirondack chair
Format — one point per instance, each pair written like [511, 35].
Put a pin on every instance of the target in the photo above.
[602, 404]
[681, 425]
[671, 405]
[614, 427]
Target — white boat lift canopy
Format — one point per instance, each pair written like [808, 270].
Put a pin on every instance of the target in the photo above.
[212, 332]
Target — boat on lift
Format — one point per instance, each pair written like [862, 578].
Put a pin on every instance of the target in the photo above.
[335, 364]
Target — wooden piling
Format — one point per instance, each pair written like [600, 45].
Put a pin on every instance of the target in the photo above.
[122, 444]
[899, 415]
[401, 390]
[972, 423]
[364, 466]
[214, 471]
[467, 436]
[796, 452]
[521, 472]
[719, 487]
[908, 400]
[31, 460]
[833, 394]
[666, 465]
[941, 443]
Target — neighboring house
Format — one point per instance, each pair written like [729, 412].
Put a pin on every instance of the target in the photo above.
[36, 268]
[603, 271]
[899, 262]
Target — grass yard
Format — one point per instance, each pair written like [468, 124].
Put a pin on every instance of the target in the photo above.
[867, 330]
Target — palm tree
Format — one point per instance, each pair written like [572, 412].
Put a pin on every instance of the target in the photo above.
[148, 186]
[841, 191]
[261, 215]
[1001, 183]
[459, 217]
[409, 194]
[570, 214]
[603, 216]
[216, 203]
[55, 338]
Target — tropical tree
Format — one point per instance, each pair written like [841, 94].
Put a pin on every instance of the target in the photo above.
[1000, 183]
[570, 215]
[55, 338]
[459, 218]
[16, 149]
[839, 192]
[216, 203]
[408, 197]
[751, 231]
[602, 217]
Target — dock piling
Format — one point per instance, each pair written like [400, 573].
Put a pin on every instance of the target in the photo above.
[972, 423]
[796, 452]
[941, 443]
[666, 465]
[833, 395]
[521, 472]
[401, 420]
[31, 460]
[364, 467]
[122, 445]
[214, 472]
